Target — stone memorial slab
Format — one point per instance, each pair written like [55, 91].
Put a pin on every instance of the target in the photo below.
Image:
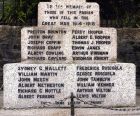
[48, 85]
[32, 85]
[68, 13]
[106, 84]
[68, 45]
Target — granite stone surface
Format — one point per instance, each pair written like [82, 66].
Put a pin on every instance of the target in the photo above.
[50, 85]
[68, 13]
[68, 45]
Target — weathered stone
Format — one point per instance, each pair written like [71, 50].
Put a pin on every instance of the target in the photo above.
[68, 13]
[109, 84]
[126, 37]
[67, 45]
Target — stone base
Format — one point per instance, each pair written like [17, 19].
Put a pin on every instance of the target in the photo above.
[67, 112]
[44, 85]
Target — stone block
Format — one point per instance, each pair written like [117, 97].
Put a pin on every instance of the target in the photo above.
[68, 13]
[68, 45]
[51, 85]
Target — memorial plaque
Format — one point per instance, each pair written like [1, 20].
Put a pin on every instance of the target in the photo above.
[106, 84]
[32, 85]
[68, 13]
[48, 85]
[68, 45]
